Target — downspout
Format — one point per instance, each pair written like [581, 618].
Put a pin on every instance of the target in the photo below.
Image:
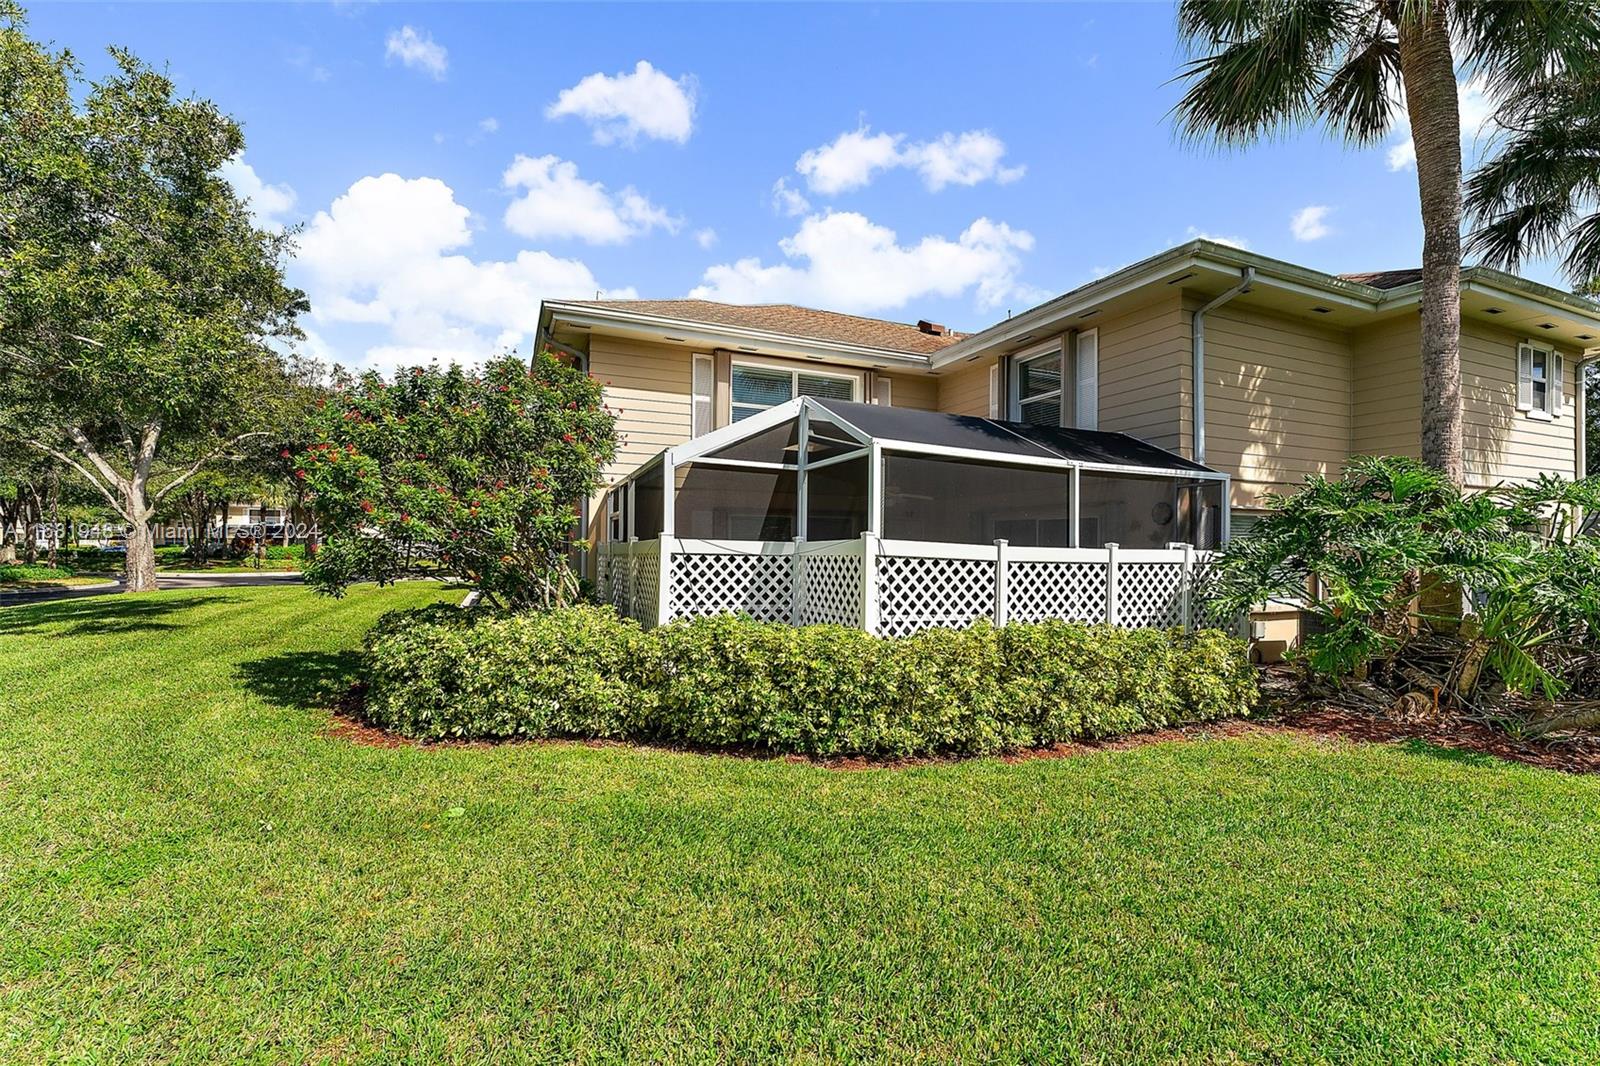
[1247, 276]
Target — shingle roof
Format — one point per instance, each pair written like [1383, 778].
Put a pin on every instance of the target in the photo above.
[1387, 279]
[792, 321]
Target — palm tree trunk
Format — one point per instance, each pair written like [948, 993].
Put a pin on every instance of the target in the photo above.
[1428, 71]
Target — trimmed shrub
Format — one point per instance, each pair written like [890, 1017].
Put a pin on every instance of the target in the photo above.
[444, 672]
[816, 690]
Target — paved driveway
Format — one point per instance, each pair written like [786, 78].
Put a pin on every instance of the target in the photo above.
[168, 581]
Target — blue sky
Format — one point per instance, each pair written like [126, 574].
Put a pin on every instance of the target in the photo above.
[453, 164]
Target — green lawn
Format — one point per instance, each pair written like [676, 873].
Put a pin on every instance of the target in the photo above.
[190, 870]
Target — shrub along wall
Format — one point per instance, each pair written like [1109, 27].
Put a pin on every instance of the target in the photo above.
[816, 690]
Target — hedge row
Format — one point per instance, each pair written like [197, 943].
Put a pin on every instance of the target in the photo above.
[817, 690]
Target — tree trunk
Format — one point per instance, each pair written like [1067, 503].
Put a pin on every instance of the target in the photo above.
[1428, 72]
[139, 568]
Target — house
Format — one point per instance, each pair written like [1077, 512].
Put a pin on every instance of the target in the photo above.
[1248, 366]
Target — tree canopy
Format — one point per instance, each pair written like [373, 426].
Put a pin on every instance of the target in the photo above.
[144, 310]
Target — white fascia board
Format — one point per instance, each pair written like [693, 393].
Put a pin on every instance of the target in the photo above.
[716, 335]
[1548, 302]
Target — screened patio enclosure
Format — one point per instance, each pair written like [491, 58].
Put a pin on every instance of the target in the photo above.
[895, 519]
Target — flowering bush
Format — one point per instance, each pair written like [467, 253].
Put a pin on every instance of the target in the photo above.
[473, 476]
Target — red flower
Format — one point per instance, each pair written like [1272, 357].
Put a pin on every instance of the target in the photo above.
[284, 454]
[366, 505]
[301, 474]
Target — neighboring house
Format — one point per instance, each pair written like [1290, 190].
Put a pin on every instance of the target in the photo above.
[1297, 370]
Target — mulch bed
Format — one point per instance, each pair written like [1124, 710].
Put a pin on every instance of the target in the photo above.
[1573, 755]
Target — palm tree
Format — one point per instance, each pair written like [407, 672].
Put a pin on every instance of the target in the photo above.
[1261, 67]
[1540, 193]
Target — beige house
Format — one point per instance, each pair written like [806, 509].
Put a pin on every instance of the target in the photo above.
[1255, 367]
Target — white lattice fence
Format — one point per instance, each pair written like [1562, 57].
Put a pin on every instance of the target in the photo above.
[909, 585]
[628, 577]
[1040, 590]
[1149, 595]
[829, 577]
[919, 591]
[707, 582]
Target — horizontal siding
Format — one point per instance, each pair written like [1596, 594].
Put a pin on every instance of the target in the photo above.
[1141, 381]
[1386, 392]
[1503, 444]
[920, 391]
[648, 386]
[965, 389]
[1277, 399]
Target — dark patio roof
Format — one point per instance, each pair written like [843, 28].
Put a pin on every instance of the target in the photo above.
[1007, 438]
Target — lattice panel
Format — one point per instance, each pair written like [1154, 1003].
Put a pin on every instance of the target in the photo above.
[646, 585]
[915, 593]
[1202, 614]
[1149, 594]
[756, 585]
[1073, 591]
[832, 587]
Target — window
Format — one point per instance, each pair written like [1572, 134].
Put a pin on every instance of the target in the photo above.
[616, 516]
[1036, 387]
[756, 388]
[1540, 371]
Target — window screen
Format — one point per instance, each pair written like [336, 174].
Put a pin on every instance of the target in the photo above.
[976, 503]
[647, 504]
[836, 501]
[730, 503]
[827, 387]
[1149, 512]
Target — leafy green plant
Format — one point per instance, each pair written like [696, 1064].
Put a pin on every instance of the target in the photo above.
[448, 473]
[1369, 554]
[818, 690]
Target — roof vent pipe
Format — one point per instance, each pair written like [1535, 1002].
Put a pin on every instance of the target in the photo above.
[1247, 276]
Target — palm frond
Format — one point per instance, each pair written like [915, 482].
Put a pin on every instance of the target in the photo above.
[1516, 45]
[1358, 101]
[1259, 68]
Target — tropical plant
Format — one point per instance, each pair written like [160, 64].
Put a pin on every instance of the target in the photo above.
[141, 303]
[1362, 554]
[1260, 67]
[475, 476]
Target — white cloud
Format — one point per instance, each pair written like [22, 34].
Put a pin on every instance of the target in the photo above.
[624, 107]
[1310, 223]
[853, 159]
[788, 201]
[489, 125]
[844, 261]
[1477, 123]
[388, 254]
[268, 203]
[1200, 235]
[962, 159]
[418, 50]
[850, 161]
[556, 202]
[705, 238]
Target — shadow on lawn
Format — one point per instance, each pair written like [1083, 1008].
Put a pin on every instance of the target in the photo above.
[306, 679]
[98, 615]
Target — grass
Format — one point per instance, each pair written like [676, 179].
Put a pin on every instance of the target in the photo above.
[191, 870]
